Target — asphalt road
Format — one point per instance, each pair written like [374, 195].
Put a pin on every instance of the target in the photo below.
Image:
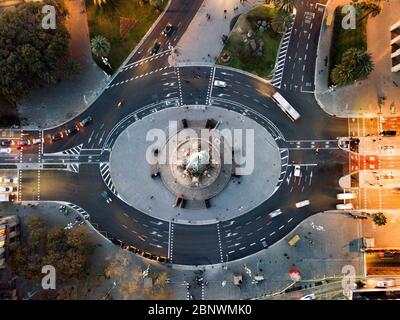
[149, 84]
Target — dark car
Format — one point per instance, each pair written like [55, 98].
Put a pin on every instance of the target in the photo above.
[57, 136]
[388, 133]
[86, 121]
[7, 143]
[155, 48]
[23, 143]
[71, 131]
[167, 31]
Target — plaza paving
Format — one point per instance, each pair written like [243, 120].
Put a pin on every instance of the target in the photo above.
[361, 99]
[130, 171]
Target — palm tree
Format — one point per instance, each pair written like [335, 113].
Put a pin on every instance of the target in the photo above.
[100, 46]
[355, 64]
[373, 9]
[281, 21]
[379, 219]
[285, 5]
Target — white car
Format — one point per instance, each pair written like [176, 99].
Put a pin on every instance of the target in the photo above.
[344, 206]
[275, 213]
[221, 84]
[297, 171]
[302, 203]
[5, 150]
[386, 284]
[6, 189]
[8, 180]
[37, 141]
[310, 296]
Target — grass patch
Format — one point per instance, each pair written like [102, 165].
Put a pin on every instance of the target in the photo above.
[241, 56]
[344, 39]
[105, 21]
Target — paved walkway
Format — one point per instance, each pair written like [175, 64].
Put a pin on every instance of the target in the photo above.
[202, 41]
[361, 98]
[318, 255]
[48, 107]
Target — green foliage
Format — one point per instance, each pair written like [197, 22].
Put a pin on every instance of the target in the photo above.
[281, 21]
[68, 251]
[100, 46]
[29, 54]
[356, 64]
[379, 219]
[285, 5]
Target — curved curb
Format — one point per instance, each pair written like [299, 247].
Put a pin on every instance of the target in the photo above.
[187, 222]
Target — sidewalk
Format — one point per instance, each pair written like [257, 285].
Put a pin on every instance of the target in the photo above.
[53, 105]
[202, 41]
[361, 99]
[318, 255]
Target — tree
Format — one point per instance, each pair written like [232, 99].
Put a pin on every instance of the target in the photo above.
[379, 219]
[69, 251]
[130, 281]
[285, 5]
[355, 64]
[29, 54]
[281, 21]
[100, 46]
[371, 7]
[157, 4]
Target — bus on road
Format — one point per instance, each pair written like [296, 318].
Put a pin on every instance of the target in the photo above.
[285, 106]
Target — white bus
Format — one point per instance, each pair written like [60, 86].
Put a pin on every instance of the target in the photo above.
[285, 106]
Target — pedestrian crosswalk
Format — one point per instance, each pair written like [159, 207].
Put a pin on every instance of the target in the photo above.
[79, 210]
[74, 167]
[280, 62]
[105, 174]
[74, 151]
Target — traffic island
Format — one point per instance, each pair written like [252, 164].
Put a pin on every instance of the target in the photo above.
[252, 45]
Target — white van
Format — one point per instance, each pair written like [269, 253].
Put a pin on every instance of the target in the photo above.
[221, 84]
[346, 196]
[5, 150]
[344, 206]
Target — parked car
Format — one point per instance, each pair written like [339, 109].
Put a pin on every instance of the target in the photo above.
[72, 130]
[5, 150]
[155, 48]
[8, 180]
[86, 121]
[7, 143]
[57, 136]
[168, 29]
[386, 284]
[6, 189]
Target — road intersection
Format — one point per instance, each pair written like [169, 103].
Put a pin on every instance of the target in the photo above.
[76, 169]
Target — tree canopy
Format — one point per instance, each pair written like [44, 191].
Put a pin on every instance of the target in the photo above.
[29, 54]
[69, 251]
